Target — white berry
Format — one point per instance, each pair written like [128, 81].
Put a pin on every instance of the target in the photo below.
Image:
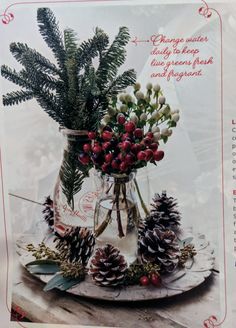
[143, 117]
[162, 100]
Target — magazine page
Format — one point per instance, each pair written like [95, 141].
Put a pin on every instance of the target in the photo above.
[118, 163]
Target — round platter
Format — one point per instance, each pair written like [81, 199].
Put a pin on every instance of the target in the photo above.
[178, 282]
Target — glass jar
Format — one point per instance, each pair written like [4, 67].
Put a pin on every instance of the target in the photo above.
[75, 193]
[116, 217]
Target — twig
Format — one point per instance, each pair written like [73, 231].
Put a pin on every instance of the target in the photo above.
[140, 198]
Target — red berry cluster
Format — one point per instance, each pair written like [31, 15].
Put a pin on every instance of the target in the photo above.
[153, 278]
[122, 151]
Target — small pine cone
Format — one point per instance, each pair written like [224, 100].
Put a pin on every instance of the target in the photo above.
[108, 266]
[164, 210]
[48, 211]
[160, 247]
[76, 245]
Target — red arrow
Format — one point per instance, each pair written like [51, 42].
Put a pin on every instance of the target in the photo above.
[136, 41]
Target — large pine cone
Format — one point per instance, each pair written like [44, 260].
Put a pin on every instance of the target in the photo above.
[159, 247]
[76, 245]
[108, 267]
[164, 212]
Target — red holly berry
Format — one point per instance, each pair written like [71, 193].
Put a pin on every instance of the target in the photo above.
[84, 158]
[126, 136]
[123, 166]
[97, 149]
[121, 119]
[107, 135]
[141, 156]
[136, 148]
[149, 135]
[129, 159]
[87, 148]
[144, 281]
[92, 135]
[158, 155]
[129, 126]
[138, 133]
[121, 156]
[115, 164]
[108, 157]
[149, 154]
[153, 146]
[105, 167]
[155, 279]
[106, 145]
[147, 141]
[126, 145]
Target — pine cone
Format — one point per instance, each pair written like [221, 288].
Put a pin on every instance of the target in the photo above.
[48, 211]
[159, 247]
[76, 245]
[164, 212]
[108, 266]
[150, 223]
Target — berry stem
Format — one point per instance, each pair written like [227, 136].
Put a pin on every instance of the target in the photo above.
[141, 198]
[117, 198]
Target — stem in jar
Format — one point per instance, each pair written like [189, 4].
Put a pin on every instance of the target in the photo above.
[117, 199]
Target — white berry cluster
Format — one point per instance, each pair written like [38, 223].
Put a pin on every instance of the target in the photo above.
[148, 110]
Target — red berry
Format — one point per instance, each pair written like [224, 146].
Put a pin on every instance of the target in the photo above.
[158, 155]
[123, 166]
[121, 156]
[107, 135]
[86, 148]
[129, 126]
[147, 141]
[138, 133]
[97, 149]
[136, 148]
[149, 154]
[144, 281]
[92, 135]
[121, 119]
[129, 159]
[149, 135]
[126, 136]
[141, 156]
[106, 145]
[126, 145]
[153, 146]
[84, 158]
[108, 158]
[155, 279]
[105, 167]
[115, 164]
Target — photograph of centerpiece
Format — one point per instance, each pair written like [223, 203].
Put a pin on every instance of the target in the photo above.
[128, 138]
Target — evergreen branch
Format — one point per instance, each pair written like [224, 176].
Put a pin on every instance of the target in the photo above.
[122, 81]
[89, 49]
[16, 97]
[70, 41]
[71, 177]
[48, 102]
[50, 32]
[15, 77]
[113, 58]
[19, 50]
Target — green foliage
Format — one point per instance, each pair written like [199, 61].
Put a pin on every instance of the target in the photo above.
[72, 91]
[61, 282]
